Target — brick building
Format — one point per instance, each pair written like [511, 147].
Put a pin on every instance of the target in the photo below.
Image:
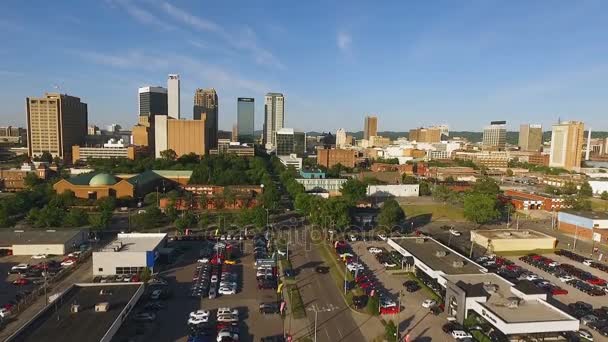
[331, 157]
[528, 201]
[585, 225]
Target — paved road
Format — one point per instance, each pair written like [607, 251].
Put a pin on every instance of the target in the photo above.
[319, 292]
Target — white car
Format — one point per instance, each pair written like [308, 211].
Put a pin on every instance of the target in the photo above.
[4, 312]
[227, 284]
[354, 266]
[585, 334]
[223, 238]
[227, 290]
[74, 254]
[389, 264]
[387, 303]
[197, 321]
[461, 334]
[353, 238]
[374, 250]
[587, 262]
[532, 277]
[227, 311]
[214, 278]
[227, 335]
[281, 252]
[346, 255]
[227, 318]
[201, 314]
[429, 303]
[455, 232]
[20, 267]
[228, 237]
[554, 264]
[203, 260]
[68, 263]
[382, 237]
[39, 256]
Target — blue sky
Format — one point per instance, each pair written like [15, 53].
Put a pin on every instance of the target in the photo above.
[411, 63]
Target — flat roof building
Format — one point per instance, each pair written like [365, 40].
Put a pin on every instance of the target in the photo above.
[504, 240]
[84, 312]
[181, 136]
[31, 242]
[588, 225]
[129, 254]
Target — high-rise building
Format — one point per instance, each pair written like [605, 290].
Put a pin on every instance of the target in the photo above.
[284, 141]
[206, 102]
[530, 137]
[299, 143]
[274, 117]
[340, 138]
[495, 136]
[370, 127]
[425, 135]
[173, 96]
[13, 135]
[152, 101]
[55, 123]
[181, 136]
[234, 137]
[245, 108]
[567, 145]
[330, 157]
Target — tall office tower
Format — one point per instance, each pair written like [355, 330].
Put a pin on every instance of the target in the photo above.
[299, 143]
[530, 137]
[274, 117]
[173, 96]
[245, 108]
[234, 137]
[425, 135]
[206, 102]
[495, 136]
[340, 138]
[152, 101]
[284, 141]
[370, 127]
[181, 136]
[55, 123]
[567, 145]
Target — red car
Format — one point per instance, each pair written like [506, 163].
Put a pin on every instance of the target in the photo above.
[393, 310]
[21, 281]
[556, 291]
[596, 281]
[512, 267]
[366, 285]
[8, 306]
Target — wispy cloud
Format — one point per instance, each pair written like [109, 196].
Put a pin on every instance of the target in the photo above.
[344, 41]
[246, 40]
[130, 60]
[142, 15]
[10, 73]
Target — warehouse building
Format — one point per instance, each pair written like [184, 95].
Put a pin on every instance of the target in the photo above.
[52, 242]
[516, 310]
[505, 240]
[129, 253]
[586, 225]
[84, 312]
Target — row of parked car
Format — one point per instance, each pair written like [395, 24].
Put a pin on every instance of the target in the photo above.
[387, 259]
[569, 274]
[584, 260]
[223, 323]
[596, 319]
[265, 264]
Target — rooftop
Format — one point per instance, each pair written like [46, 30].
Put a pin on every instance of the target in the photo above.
[19, 237]
[86, 325]
[594, 215]
[428, 251]
[512, 234]
[500, 298]
[135, 242]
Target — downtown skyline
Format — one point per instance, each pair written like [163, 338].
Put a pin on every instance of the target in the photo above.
[410, 65]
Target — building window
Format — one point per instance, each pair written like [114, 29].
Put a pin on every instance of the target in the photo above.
[100, 269]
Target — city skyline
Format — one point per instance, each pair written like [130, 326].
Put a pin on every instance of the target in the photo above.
[495, 66]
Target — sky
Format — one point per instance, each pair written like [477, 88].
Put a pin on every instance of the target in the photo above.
[411, 63]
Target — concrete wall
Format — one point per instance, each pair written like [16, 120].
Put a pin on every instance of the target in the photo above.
[57, 249]
[395, 190]
[503, 245]
[108, 261]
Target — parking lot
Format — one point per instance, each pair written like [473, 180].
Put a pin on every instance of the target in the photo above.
[171, 321]
[416, 321]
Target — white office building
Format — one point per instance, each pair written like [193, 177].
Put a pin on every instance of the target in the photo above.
[340, 138]
[274, 117]
[173, 96]
[129, 254]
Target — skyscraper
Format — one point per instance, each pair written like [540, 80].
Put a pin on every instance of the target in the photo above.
[530, 137]
[370, 127]
[495, 136]
[340, 138]
[152, 101]
[274, 117]
[245, 120]
[173, 96]
[567, 145]
[425, 135]
[206, 101]
[284, 141]
[55, 123]
[299, 143]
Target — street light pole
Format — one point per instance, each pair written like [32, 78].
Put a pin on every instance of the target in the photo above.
[316, 314]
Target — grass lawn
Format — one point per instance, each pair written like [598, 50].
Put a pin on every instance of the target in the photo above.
[598, 204]
[439, 211]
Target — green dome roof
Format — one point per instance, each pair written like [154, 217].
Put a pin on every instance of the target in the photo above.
[102, 179]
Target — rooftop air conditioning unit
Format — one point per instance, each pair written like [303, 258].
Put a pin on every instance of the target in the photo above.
[75, 308]
[420, 240]
[512, 302]
[102, 307]
[440, 254]
[458, 264]
[490, 288]
[525, 232]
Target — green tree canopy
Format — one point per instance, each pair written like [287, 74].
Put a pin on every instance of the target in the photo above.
[487, 186]
[353, 190]
[76, 218]
[604, 195]
[481, 208]
[391, 214]
[585, 190]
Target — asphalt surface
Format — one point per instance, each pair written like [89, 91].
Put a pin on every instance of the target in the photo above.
[319, 293]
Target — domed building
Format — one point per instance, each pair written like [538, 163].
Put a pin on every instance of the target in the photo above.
[96, 185]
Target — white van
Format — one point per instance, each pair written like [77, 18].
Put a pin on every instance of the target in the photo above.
[460, 334]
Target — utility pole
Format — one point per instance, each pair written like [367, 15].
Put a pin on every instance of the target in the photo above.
[398, 316]
[575, 238]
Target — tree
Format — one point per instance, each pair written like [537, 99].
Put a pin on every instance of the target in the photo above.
[5, 216]
[509, 173]
[150, 199]
[171, 210]
[145, 275]
[391, 214]
[101, 220]
[481, 208]
[106, 204]
[75, 218]
[425, 189]
[390, 331]
[585, 190]
[442, 193]
[353, 190]
[203, 221]
[337, 211]
[187, 220]
[578, 202]
[31, 180]
[302, 203]
[169, 155]
[604, 196]
[229, 196]
[569, 189]
[407, 179]
[46, 157]
[486, 186]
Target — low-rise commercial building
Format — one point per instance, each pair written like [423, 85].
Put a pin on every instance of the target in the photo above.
[516, 310]
[12, 180]
[225, 146]
[112, 149]
[507, 240]
[31, 242]
[591, 225]
[489, 159]
[322, 185]
[291, 160]
[528, 201]
[129, 254]
[331, 157]
[83, 312]
[393, 190]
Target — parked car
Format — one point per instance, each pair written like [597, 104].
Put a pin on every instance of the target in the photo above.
[269, 308]
[145, 317]
[427, 303]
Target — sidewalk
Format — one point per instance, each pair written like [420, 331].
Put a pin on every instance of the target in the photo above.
[298, 328]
